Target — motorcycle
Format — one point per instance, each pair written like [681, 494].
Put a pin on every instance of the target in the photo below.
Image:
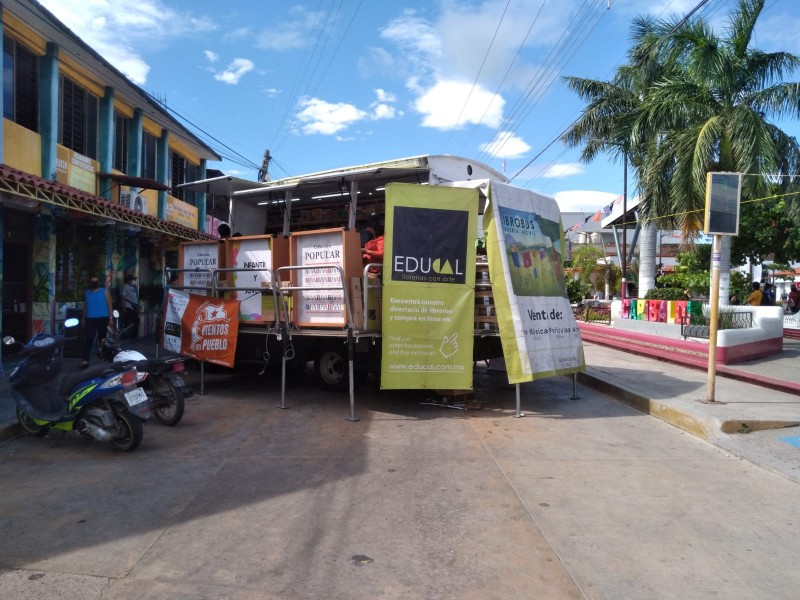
[160, 378]
[101, 403]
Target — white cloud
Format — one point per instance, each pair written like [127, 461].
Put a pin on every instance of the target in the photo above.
[506, 145]
[116, 29]
[293, 33]
[448, 104]
[211, 56]
[384, 96]
[562, 170]
[583, 200]
[235, 71]
[319, 116]
[272, 92]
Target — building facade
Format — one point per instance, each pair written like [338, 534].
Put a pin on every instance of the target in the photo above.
[90, 166]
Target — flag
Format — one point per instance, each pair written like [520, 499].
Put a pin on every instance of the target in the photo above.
[596, 216]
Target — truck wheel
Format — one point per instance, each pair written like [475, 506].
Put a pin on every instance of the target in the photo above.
[331, 369]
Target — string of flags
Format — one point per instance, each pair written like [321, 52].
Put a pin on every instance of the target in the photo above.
[603, 212]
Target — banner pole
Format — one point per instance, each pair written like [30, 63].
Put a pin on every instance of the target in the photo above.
[352, 416]
[713, 319]
[575, 387]
[519, 403]
[202, 378]
[283, 370]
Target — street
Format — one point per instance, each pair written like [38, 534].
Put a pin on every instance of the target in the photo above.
[584, 498]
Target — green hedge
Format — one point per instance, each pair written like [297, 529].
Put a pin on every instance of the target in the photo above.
[665, 294]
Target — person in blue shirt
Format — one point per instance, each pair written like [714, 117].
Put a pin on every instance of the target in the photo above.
[97, 316]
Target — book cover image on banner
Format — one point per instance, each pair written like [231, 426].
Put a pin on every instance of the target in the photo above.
[428, 287]
[538, 331]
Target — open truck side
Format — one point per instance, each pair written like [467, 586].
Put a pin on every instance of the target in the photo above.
[280, 227]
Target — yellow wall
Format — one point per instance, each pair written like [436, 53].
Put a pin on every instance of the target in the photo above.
[22, 148]
[74, 71]
[180, 212]
[16, 29]
[123, 109]
[178, 146]
[152, 127]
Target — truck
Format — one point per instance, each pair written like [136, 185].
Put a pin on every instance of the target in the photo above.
[281, 229]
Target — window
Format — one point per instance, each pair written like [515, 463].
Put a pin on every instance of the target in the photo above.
[78, 120]
[20, 84]
[148, 156]
[182, 171]
[121, 143]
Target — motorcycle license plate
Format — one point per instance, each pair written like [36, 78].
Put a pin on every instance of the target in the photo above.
[135, 396]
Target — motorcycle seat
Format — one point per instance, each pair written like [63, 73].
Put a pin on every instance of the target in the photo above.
[154, 365]
[71, 380]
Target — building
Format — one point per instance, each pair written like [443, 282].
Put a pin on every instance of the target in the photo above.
[89, 171]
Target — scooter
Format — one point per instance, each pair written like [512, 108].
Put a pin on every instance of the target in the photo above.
[160, 378]
[101, 403]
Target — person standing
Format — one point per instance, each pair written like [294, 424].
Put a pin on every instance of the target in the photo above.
[754, 299]
[97, 316]
[372, 252]
[793, 302]
[130, 306]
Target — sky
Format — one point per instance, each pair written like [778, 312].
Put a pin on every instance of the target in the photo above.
[334, 83]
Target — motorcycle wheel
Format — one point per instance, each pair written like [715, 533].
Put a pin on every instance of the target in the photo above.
[30, 426]
[132, 431]
[168, 407]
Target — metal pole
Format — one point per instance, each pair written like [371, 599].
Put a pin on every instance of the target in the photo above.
[625, 226]
[352, 416]
[519, 404]
[575, 387]
[713, 320]
[202, 378]
[283, 370]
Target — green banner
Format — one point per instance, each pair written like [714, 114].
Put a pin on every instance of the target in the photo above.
[428, 287]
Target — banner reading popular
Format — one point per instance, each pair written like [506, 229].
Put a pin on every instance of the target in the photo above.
[538, 331]
[428, 287]
[200, 327]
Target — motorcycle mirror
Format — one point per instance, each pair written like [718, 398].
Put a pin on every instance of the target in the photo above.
[71, 323]
[8, 340]
[115, 313]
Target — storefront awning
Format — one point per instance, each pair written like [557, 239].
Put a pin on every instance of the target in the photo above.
[21, 184]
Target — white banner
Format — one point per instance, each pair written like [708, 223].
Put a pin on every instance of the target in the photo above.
[173, 313]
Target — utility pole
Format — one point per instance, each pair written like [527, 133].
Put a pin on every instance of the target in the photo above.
[263, 172]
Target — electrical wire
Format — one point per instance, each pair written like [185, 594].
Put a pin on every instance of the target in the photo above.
[477, 76]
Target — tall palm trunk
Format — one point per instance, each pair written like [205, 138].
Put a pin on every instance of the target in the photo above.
[724, 271]
[647, 258]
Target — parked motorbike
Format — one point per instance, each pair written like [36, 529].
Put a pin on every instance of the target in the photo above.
[101, 403]
[160, 378]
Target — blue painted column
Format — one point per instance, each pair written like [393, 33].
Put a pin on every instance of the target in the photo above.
[2, 143]
[200, 200]
[162, 172]
[135, 131]
[105, 154]
[48, 109]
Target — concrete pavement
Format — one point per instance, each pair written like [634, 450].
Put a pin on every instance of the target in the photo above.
[583, 498]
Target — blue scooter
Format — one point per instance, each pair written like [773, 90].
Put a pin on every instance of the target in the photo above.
[101, 403]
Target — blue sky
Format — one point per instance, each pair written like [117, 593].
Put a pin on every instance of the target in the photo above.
[331, 83]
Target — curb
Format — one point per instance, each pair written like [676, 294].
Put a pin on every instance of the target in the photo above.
[9, 431]
[701, 427]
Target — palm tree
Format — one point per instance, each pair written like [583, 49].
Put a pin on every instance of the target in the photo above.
[713, 113]
[588, 259]
[607, 124]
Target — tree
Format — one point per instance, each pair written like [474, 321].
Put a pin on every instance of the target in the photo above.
[607, 125]
[713, 110]
[588, 259]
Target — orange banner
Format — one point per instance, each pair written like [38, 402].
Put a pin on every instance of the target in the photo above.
[201, 327]
[209, 327]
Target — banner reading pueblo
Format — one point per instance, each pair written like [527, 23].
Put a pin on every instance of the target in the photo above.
[538, 331]
[200, 327]
[428, 287]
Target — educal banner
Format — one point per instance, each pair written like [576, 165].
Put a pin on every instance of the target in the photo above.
[524, 243]
[428, 287]
[200, 327]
